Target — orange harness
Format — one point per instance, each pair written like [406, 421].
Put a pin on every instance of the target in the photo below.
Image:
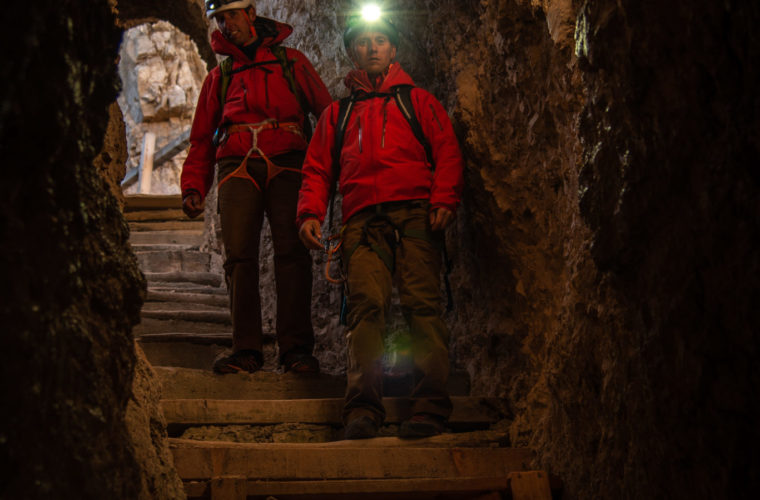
[254, 128]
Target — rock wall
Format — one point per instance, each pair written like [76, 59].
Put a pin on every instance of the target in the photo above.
[71, 286]
[161, 73]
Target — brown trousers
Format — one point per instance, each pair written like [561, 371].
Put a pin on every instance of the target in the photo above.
[242, 206]
[368, 247]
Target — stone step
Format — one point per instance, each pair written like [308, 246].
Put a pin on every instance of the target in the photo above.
[168, 247]
[188, 383]
[210, 299]
[191, 261]
[182, 309]
[203, 278]
[467, 410]
[192, 237]
[352, 460]
[186, 225]
[165, 214]
[183, 287]
[179, 312]
[149, 326]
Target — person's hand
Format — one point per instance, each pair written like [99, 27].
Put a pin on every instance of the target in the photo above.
[311, 234]
[192, 204]
[440, 218]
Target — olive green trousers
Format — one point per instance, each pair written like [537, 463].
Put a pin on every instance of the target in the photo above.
[380, 243]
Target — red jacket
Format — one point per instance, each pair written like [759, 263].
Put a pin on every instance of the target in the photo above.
[253, 95]
[381, 159]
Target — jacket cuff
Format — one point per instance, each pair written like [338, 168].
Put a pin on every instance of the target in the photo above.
[304, 217]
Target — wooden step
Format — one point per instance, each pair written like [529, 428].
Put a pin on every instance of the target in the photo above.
[518, 485]
[137, 202]
[199, 460]
[187, 383]
[467, 410]
[192, 237]
[191, 261]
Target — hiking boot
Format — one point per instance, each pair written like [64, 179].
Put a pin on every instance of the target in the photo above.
[360, 428]
[245, 360]
[422, 425]
[300, 362]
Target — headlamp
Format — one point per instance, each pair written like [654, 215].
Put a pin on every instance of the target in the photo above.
[371, 12]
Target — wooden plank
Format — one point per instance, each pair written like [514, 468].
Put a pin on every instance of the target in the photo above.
[469, 410]
[472, 485]
[228, 488]
[530, 485]
[136, 202]
[314, 461]
[383, 489]
[172, 148]
[184, 383]
[145, 171]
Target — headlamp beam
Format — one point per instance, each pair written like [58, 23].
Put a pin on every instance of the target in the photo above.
[371, 12]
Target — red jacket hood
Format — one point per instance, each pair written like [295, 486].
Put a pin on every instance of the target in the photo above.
[272, 33]
[358, 80]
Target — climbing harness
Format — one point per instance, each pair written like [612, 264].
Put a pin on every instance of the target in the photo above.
[254, 128]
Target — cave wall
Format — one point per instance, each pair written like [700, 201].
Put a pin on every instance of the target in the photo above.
[71, 287]
[605, 266]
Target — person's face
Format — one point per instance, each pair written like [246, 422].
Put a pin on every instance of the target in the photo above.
[373, 52]
[235, 25]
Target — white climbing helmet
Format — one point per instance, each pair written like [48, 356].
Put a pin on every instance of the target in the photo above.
[214, 7]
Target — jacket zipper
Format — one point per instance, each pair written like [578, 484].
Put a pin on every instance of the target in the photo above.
[385, 120]
[360, 134]
[266, 87]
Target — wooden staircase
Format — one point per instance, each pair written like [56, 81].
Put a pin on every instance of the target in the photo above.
[297, 451]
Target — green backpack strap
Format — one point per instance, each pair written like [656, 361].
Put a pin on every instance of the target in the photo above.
[281, 54]
[226, 68]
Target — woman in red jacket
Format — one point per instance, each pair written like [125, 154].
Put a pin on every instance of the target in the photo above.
[250, 123]
[395, 206]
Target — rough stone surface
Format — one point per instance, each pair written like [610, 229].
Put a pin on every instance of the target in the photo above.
[71, 287]
[161, 73]
[147, 430]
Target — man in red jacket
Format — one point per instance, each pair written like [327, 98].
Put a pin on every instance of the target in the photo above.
[250, 123]
[395, 207]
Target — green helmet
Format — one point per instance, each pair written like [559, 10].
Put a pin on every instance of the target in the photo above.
[216, 6]
[358, 24]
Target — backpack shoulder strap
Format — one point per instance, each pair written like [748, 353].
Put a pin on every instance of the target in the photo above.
[281, 54]
[403, 95]
[226, 68]
[345, 106]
